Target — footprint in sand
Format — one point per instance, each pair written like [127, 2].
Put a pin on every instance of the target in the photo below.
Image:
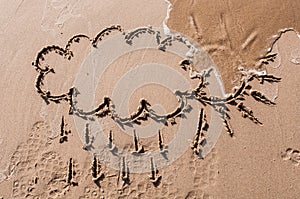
[141, 187]
[38, 172]
[291, 154]
[206, 174]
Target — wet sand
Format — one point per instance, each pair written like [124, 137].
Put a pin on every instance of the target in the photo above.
[235, 33]
[43, 155]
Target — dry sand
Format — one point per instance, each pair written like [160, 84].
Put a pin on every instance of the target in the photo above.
[260, 161]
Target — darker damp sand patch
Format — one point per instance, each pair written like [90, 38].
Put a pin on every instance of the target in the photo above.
[234, 32]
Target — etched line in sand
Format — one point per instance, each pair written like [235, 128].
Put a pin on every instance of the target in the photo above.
[96, 172]
[65, 53]
[250, 40]
[200, 93]
[110, 141]
[236, 97]
[89, 138]
[194, 24]
[105, 32]
[199, 139]
[63, 133]
[138, 148]
[142, 113]
[138, 32]
[247, 113]
[155, 178]
[177, 112]
[71, 174]
[258, 96]
[269, 57]
[162, 146]
[124, 174]
[144, 109]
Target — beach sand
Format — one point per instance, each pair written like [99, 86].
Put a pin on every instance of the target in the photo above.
[234, 32]
[45, 154]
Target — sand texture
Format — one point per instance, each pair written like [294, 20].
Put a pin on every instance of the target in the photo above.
[235, 33]
[107, 100]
